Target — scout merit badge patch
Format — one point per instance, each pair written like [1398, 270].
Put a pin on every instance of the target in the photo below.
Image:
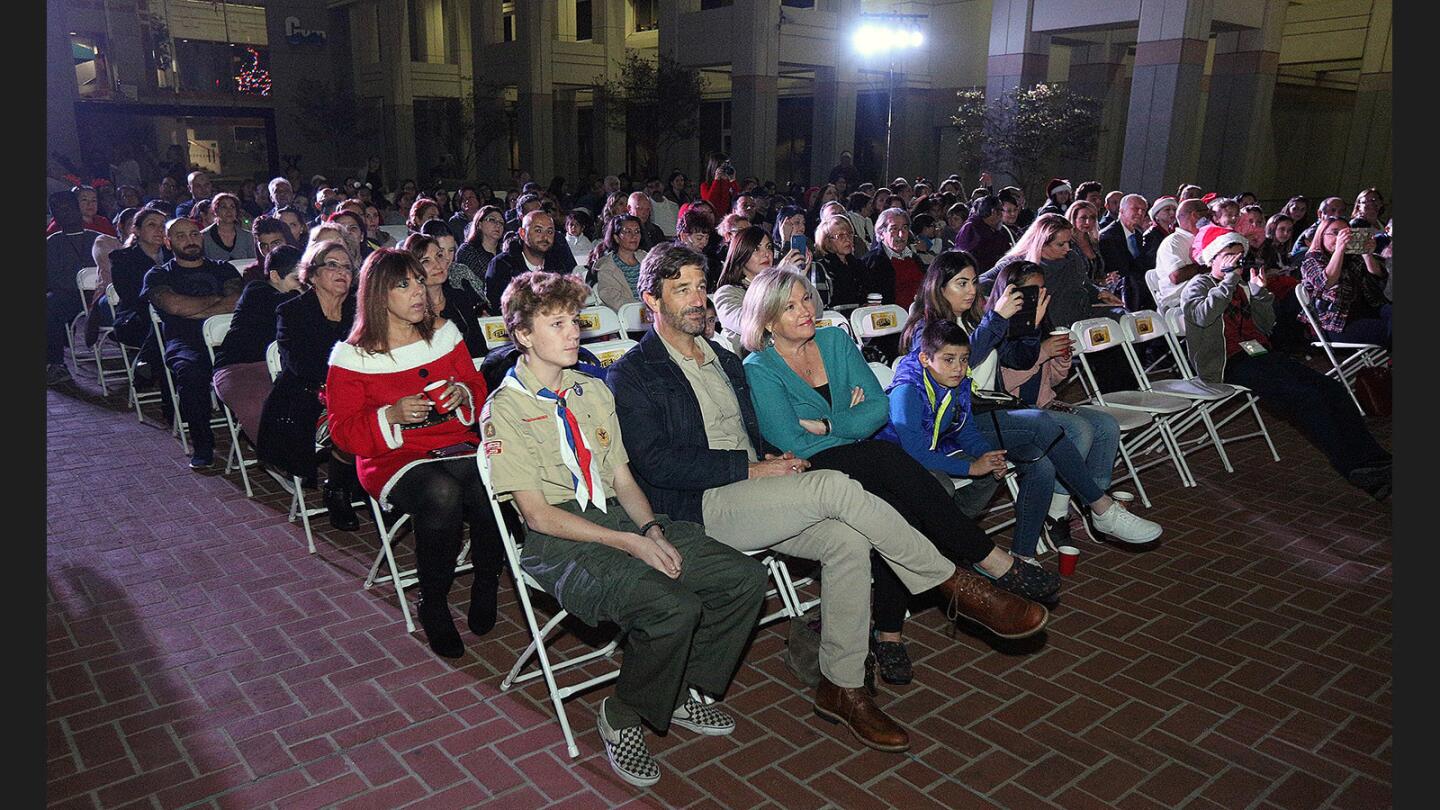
[489, 430]
[602, 436]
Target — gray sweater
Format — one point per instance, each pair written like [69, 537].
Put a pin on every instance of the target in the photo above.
[1204, 301]
[1068, 282]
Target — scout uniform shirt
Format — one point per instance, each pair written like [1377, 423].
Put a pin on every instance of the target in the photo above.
[528, 448]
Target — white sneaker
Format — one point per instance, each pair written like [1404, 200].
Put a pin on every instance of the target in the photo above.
[627, 752]
[1124, 526]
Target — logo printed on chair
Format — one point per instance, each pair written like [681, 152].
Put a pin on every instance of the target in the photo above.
[495, 331]
[1143, 326]
[589, 320]
[1099, 335]
[882, 320]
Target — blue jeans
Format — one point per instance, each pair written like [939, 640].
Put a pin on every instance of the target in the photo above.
[1096, 435]
[1037, 445]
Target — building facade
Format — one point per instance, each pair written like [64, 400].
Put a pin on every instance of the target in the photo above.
[1272, 96]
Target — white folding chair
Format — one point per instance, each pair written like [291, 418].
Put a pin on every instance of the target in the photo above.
[86, 281]
[214, 330]
[397, 233]
[1146, 325]
[1152, 280]
[241, 265]
[832, 317]
[136, 398]
[1174, 330]
[408, 577]
[598, 322]
[636, 318]
[608, 351]
[883, 373]
[494, 329]
[293, 484]
[1361, 355]
[876, 321]
[1143, 416]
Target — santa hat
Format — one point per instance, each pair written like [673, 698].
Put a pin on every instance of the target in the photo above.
[1057, 185]
[1212, 239]
[1209, 198]
[1161, 204]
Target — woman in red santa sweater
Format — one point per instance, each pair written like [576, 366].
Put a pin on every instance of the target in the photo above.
[413, 453]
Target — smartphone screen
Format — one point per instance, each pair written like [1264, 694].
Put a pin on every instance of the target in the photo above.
[797, 242]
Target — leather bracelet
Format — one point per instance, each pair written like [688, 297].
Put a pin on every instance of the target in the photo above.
[648, 526]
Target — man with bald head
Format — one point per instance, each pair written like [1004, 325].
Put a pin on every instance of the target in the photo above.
[528, 251]
[200, 189]
[1121, 247]
[185, 291]
[641, 207]
[1329, 207]
[1173, 260]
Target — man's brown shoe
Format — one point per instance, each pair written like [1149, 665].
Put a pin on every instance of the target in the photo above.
[857, 710]
[1002, 613]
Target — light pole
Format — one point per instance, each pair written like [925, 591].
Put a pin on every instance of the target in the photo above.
[888, 34]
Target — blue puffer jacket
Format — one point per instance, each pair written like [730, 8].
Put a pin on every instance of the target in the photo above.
[916, 400]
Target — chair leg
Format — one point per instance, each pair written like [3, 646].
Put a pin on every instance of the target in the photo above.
[300, 508]
[1264, 431]
[1215, 438]
[1134, 474]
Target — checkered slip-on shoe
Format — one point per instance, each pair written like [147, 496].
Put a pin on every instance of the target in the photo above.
[703, 719]
[627, 752]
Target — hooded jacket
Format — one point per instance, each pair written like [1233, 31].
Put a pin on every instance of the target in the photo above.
[933, 423]
[1204, 301]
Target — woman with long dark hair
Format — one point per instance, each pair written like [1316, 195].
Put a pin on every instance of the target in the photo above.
[457, 305]
[413, 453]
[615, 262]
[750, 254]
[473, 257]
[719, 186]
[1348, 289]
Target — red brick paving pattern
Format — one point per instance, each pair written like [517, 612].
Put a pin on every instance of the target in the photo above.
[199, 657]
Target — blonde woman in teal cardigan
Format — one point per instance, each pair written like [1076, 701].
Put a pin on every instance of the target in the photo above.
[814, 396]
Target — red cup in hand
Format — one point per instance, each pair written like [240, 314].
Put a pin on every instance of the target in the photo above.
[435, 392]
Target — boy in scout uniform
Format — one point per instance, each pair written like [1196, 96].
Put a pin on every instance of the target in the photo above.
[685, 603]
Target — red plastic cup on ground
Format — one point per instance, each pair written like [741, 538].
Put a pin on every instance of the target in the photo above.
[1069, 555]
[435, 392]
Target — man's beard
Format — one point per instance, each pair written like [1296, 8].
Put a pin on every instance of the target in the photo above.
[190, 254]
[678, 321]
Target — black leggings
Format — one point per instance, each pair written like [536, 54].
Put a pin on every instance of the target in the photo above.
[886, 471]
[440, 496]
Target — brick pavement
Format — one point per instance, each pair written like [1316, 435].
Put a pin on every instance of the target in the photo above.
[197, 656]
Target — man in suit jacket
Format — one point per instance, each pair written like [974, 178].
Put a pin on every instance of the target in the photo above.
[1122, 247]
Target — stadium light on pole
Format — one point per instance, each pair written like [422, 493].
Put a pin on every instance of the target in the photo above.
[888, 34]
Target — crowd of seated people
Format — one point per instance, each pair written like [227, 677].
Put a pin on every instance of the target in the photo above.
[735, 425]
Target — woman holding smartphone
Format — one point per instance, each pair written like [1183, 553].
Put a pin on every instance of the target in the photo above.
[719, 186]
[403, 396]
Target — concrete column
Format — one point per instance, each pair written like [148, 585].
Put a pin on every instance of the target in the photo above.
[1098, 71]
[609, 32]
[493, 160]
[1018, 56]
[755, 73]
[832, 128]
[1162, 130]
[1368, 156]
[399, 103]
[61, 133]
[535, 24]
[683, 155]
[1238, 148]
[567, 134]
[294, 70]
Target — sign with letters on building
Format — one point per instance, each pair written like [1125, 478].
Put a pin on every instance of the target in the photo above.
[297, 35]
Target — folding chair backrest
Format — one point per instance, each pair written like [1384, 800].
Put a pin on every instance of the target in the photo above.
[597, 322]
[241, 265]
[397, 232]
[494, 329]
[159, 327]
[636, 317]
[214, 330]
[608, 351]
[1143, 325]
[1307, 306]
[112, 300]
[1152, 280]
[883, 319]
[1175, 330]
[832, 318]
[272, 359]
[883, 373]
[1096, 335]
[86, 280]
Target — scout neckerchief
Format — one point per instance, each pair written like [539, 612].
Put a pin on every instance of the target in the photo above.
[944, 404]
[574, 447]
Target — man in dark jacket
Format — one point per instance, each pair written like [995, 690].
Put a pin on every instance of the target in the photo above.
[981, 236]
[1122, 247]
[529, 250]
[693, 440]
